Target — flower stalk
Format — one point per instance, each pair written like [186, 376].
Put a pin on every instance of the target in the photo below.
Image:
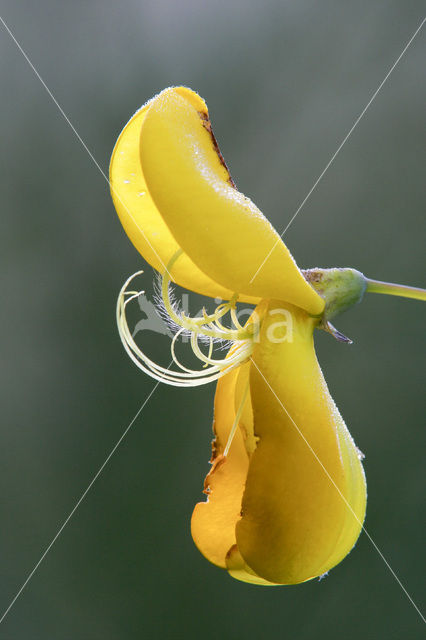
[391, 289]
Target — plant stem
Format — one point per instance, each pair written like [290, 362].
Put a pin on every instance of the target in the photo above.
[391, 289]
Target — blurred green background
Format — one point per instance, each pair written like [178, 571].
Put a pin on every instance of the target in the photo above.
[284, 82]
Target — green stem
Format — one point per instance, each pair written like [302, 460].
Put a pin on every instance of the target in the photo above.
[391, 289]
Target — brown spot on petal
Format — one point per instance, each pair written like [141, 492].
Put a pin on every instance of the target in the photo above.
[208, 126]
[216, 463]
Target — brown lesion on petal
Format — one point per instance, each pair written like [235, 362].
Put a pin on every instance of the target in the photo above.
[216, 461]
[216, 447]
[208, 126]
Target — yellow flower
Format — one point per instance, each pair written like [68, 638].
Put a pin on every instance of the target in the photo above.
[286, 494]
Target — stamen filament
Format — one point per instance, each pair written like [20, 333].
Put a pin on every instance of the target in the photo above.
[236, 421]
[191, 324]
[204, 326]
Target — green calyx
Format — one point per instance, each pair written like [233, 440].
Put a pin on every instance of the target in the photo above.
[341, 288]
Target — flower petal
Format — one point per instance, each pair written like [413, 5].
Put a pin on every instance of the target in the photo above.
[141, 219]
[239, 570]
[213, 522]
[219, 228]
[305, 495]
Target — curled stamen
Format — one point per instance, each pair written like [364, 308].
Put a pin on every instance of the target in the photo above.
[210, 350]
[207, 326]
[200, 324]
